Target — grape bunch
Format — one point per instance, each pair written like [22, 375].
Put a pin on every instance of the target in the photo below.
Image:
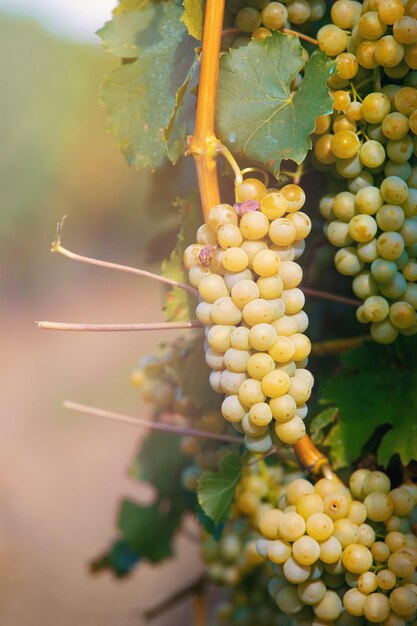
[372, 142]
[260, 17]
[233, 556]
[250, 604]
[344, 556]
[243, 265]
[374, 221]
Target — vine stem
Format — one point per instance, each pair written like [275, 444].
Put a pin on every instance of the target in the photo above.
[203, 144]
[56, 247]
[115, 328]
[182, 431]
[336, 346]
[325, 295]
[288, 31]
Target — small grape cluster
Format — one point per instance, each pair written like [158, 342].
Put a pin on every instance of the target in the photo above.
[243, 265]
[375, 225]
[250, 604]
[344, 556]
[368, 40]
[156, 377]
[260, 17]
[233, 556]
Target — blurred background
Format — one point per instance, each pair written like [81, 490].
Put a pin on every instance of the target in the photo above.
[61, 474]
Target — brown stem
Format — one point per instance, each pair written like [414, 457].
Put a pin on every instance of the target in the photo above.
[325, 295]
[200, 606]
[336, 346]
[56, 247]
[168, 603]
[116, 328]
[202, 145]
[182, 431]
[288, 31]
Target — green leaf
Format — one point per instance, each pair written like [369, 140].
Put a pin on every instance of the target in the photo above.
[141, 96]
[120, 559]
[257, 116]
[149, 530]
[179, 304]
[160, 462]
[320, 422]
[376, 386]
[175, 132]
[216, 490]
[130, 5]
[193, 17]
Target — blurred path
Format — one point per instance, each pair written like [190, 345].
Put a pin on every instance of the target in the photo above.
[61, 475]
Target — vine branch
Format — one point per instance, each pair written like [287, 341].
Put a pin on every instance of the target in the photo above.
[116, 328]
[59, 249]
[182, 431]
[202, 145]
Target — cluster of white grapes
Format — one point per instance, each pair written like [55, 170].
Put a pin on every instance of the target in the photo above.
[379, 33]
[260, 17]
[230, 558]
[243, 265]
[344, 556]
[373, 144]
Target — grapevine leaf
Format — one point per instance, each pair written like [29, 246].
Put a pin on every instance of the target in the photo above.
[130, 5]
[193, 17]
[216, 490]
[179, 304]
[174, 133]
[320, 422]
[119, 559]
[207, 523]
[257, 116]
[160, 462]
[141, 96]
[149, 530]
[376, 386]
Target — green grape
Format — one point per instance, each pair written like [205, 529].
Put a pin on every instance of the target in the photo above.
[364, 179]
[349, 168]
[394, 190]
[368, 251]
[337, 233]
[390, 217]
[402, 315]
[363, 228]
[395, 287]
[332, 39]
[368, 200]
[348, 262]
[274, 15]
[364, 285]
[248, 19]
[388, 52]
[405, 29]
[376, 308]
[390, 245]
[408, 231]
[395, 125]
[375, 107]
[370, 26]
[402, 170]
[372, 154]
[299, 11]
[400, 150]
